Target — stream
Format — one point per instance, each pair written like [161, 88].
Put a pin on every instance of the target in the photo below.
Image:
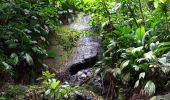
[76, 67]
[80, 23]
[85, 56]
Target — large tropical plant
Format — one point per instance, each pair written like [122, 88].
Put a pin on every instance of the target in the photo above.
[25, 27]
[134, 46]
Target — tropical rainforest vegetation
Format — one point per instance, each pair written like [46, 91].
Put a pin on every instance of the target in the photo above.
[135, 39]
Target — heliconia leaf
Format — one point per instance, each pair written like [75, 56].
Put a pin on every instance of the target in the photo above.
[161, 49]
[126, 30]
[136, 84]
[150, 88]
[29, 59]
[164, 44]
[140, 32]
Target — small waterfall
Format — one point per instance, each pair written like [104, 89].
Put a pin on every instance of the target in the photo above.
[81, 24]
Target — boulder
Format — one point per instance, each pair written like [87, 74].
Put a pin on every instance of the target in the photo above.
[85, 55]
[161, 97]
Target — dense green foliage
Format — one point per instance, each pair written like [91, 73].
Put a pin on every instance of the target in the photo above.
[135, 36]
[25, 29]
[25, 26]
[55, 90]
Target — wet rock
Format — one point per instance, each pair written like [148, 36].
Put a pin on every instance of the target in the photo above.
[89, 74]
[161, 97]
[87, 95]
[83, 76]
[79, 73]
[82, 96]
[80, 76]
[96, 85]
[85, 55]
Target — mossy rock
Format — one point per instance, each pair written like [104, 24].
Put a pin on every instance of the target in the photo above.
[21, 92]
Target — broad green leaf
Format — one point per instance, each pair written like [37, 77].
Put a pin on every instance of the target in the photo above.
[161, 49]
[140, 60]
[51, 1]
[48, 92]
[138, 49]
[126, 30]
[7, 66]
[15, 57]
[139, 21]
[140, 32]
[54, 85]
[142, 75]
[149, 56]
[156, 3]
[136, 84]
[136, 67]
[153, 46]
[127, 77]
[13, 45]
[29, 59]
[164, 44]
[150, 88]
[116, 71]
[63, 91]
[162, 1]
[124, 64]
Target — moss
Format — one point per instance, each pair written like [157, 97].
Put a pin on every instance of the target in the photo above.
[66, 37]
[15, 91]
[21, 92]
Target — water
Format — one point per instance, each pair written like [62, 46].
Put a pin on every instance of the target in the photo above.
[81, 23]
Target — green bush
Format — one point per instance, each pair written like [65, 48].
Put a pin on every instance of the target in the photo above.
[135, 36]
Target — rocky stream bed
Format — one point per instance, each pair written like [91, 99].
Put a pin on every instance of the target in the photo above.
[77, 67]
